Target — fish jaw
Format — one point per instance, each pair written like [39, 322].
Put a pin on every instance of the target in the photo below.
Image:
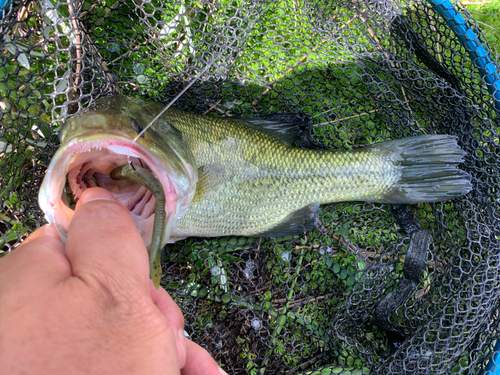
[96, 154]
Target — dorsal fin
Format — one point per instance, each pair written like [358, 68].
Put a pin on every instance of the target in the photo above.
[295, 223]
[308, 142]
[286, 127]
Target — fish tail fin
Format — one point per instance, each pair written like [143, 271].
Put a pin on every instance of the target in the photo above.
[428, 169]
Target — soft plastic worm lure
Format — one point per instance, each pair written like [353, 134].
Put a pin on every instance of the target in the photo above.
[141, 176]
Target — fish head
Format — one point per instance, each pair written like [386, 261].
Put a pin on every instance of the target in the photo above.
[101, 139]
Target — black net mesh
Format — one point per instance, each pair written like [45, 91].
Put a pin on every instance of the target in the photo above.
[361, 72]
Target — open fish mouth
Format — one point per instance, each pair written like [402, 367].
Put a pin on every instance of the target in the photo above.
[92, 168]
[86, 162]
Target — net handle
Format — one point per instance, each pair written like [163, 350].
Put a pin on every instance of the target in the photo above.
[471, 42]
[489, 73]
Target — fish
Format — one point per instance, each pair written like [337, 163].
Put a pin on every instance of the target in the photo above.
[227, 176]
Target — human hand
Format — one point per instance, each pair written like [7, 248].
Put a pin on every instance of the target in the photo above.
[89, 307]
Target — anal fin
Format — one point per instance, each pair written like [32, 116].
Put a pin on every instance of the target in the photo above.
[297, 222]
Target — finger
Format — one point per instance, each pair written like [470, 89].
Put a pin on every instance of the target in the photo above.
[104, 246]
[40, 259]
[199, 362]
[174, 317]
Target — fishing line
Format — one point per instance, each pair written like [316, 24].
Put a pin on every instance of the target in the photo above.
[251, 26]
[178, 95]
[173, 101]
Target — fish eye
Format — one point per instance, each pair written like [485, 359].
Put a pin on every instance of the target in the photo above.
[136, 125]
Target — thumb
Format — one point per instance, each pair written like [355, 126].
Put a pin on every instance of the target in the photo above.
[103, 244]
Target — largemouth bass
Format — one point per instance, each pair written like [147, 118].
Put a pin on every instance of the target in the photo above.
[224, 176]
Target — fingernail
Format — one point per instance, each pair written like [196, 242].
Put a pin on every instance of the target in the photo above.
[222, 371]
[181, 347]
[94, 194]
